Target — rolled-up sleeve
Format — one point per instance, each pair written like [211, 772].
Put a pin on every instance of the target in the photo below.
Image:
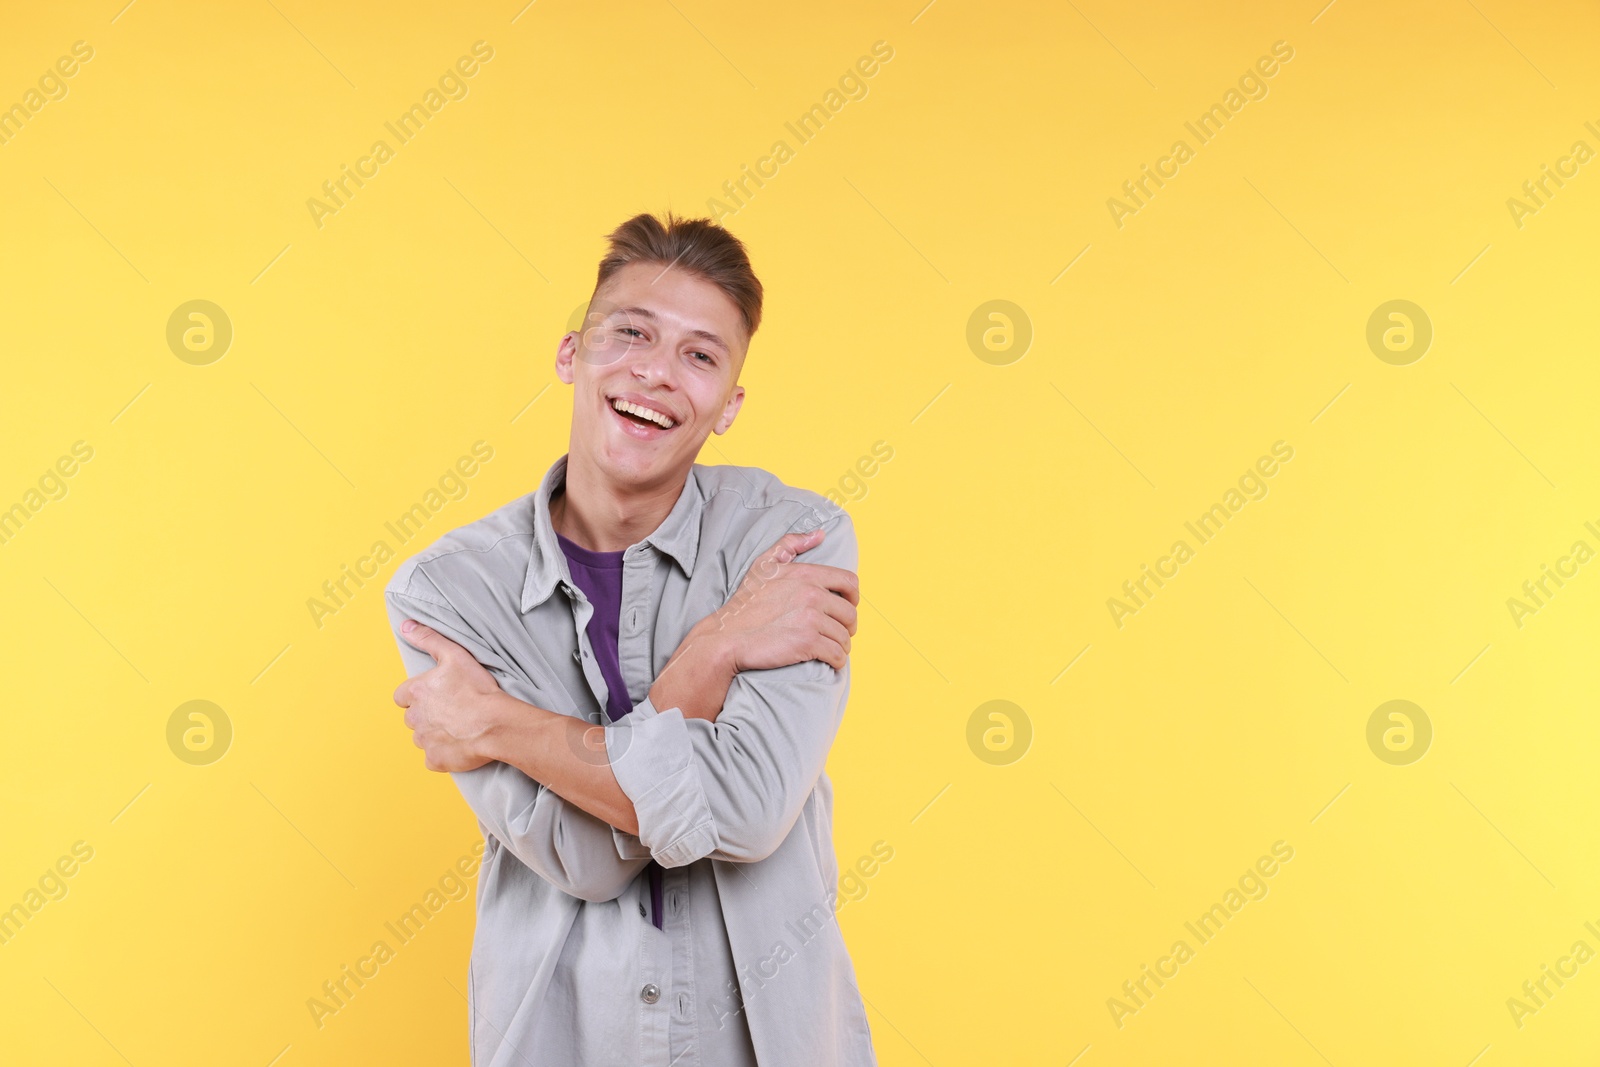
[563, 844]
[654, 760]
[732, 789]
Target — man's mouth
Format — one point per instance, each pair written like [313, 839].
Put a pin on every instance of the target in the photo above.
[639, 420]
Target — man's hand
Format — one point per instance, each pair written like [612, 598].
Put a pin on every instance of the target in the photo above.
[449, 706]
[463, 720]
[782, 613]
[786, 612]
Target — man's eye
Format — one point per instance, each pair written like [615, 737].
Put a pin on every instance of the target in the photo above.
[708, 358]
[629, 330]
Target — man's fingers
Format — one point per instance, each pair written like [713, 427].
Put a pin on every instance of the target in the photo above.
[839, 606]
[831, 652]
[787, 548]
[834, 579]
[429, 640]
[840, 610]
[836, 634]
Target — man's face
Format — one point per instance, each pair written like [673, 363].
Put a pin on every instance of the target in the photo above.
[661, 339]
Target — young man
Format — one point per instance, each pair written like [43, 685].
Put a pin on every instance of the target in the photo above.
[635, 685]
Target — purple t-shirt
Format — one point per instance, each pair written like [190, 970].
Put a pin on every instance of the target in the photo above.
[599, 575]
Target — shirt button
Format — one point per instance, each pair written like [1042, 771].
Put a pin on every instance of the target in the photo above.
[650, 993]
[575, 655]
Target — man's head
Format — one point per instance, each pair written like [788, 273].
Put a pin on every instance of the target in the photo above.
[667, 330]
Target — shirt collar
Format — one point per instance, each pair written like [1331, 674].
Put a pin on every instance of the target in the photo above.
[678, 536]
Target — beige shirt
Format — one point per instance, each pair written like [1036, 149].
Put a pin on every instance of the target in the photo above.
[566, 966]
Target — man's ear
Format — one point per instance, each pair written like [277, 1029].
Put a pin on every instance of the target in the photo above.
[730, 410]
[566, 352]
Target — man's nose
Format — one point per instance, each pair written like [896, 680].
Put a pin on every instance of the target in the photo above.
[653, 363]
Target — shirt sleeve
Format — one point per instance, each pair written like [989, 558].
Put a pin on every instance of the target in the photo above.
[732, 789]
[563, 844]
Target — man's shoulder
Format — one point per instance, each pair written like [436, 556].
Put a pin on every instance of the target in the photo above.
[484, 546]
[748, 508]
[759, 495]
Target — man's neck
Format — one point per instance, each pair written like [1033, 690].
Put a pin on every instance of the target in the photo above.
[593, 513]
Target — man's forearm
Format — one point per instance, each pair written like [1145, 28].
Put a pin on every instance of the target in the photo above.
[569, 757]
[565, 754]
[696, 678]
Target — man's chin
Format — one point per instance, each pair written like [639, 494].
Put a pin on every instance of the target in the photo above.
[638, 463]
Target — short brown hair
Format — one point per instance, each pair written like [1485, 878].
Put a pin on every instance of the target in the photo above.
[699, 246]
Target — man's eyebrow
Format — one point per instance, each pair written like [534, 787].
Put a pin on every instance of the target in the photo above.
[646, 313]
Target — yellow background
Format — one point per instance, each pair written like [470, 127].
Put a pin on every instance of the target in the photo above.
[1225, 316]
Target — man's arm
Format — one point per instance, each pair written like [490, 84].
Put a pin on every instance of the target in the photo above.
[463, 719]
[542, 782]
[567, 846]
[732, 789]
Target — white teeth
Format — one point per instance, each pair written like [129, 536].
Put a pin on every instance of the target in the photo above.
[645, 413]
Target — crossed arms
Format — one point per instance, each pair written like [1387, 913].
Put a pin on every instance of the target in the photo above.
[716, 761]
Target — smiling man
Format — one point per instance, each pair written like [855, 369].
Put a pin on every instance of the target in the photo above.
[635, 680]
